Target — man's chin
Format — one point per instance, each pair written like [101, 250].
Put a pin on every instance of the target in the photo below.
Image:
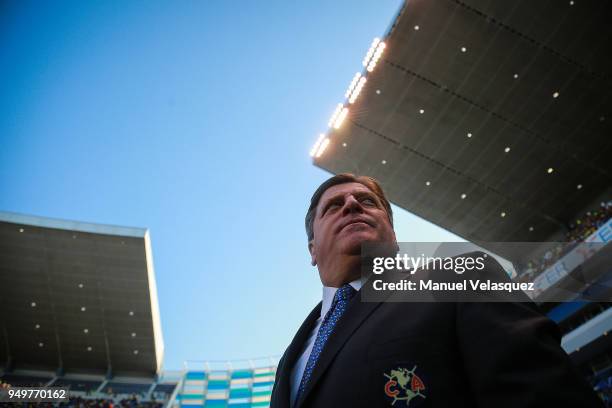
[353, 246]
[374, 245]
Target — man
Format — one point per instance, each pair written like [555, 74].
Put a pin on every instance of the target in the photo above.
[349, 353]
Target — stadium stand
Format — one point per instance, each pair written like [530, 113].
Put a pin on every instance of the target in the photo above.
[93, 351]
[86, 315]
[235, 384]
[589, 223]
[87, 393]
[83, 385]
[126, 388]
[577, 233]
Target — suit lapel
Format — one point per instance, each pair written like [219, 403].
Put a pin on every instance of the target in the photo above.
[293, 352]
[354, 315]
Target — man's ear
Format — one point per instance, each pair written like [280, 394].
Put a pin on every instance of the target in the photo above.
[313, 256]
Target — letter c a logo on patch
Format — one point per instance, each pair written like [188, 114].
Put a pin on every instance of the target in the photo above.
[390, 384]
[404, 385]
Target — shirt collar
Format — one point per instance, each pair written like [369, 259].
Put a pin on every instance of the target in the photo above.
[329, 293]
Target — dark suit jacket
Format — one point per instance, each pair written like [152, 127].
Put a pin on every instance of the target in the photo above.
[437, 355]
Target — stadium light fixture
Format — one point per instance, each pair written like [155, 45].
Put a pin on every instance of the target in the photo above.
[41, 344]
[334, 116]
[427, 183]
[469, 135]
[421, 111]
[373, 55]
[463, 196]
[416, 28]
[556, 95]
[133, 334]
[352, 85]
[530, 229]
[89, 348]
[371, 51]
[344, 144]
[37, 326]
[317, 144]
[85, 331]
[379, 50]
[340, 118]
[83, 308]
[80, 286]
[550, 170]
[135, 351]
[33, 304]
[322, 147]
[355, 93]
[579, 186]
[515, 76]
[503, 214]
[507, 149]
[463, 49]
[21, 229]
[384, 162]
[131, 313]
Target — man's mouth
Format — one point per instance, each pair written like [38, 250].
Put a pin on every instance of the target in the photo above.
[356, 222]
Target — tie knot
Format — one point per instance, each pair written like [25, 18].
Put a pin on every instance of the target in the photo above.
[346, 292]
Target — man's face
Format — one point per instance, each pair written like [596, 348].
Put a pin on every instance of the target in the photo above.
[347, 215]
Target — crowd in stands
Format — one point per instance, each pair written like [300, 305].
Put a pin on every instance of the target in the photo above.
[78, 402]
[588, 224]
[112, 401]
[577, 233]
[535, 267]
[131, 402]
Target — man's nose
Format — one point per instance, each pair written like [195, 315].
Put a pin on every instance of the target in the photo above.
[351, 205]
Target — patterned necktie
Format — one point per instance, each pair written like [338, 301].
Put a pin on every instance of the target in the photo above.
[338, 306]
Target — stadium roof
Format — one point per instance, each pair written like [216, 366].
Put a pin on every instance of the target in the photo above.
[489, 118]
[77, 297]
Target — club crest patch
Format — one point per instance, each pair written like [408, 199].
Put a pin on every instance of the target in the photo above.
[403, 385]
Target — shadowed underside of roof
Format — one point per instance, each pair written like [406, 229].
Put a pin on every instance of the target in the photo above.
[489, 118]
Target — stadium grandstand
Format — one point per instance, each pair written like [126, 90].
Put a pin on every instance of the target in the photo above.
[492, 120]
[238, 383]
[79, 310]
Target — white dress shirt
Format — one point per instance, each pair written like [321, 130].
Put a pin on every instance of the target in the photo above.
[300, 365]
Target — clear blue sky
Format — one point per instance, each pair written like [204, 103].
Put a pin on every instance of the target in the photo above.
[192, 119]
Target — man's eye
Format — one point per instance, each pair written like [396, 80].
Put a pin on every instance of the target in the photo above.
[331, 207]
[368, 201]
